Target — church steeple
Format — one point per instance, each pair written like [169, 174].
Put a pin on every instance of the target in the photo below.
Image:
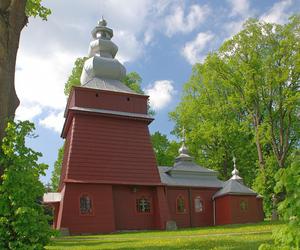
[183, 151]
[235, 173]
[102, 70]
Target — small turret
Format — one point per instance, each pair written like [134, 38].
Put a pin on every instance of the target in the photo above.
[183, 151]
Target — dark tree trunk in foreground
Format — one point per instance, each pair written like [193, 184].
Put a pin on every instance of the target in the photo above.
[12, 21]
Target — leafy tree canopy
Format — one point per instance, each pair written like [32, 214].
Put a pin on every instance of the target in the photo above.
[55, 178]
[244, 101]
[34, 8]
[165, 150]
[23, 224]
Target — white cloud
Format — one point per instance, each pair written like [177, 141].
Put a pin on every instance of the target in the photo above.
[240, 7]
[278, 14]
[41, 80]
[176, 22]
[54, 121]
[130, 48]
[28, 112]
[193, 50]
[160, 93]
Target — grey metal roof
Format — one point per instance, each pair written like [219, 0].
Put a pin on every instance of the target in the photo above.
[108, 84]
[190, 166]
[112, 112]
[234, 187]
[188, 180]
[186, 172]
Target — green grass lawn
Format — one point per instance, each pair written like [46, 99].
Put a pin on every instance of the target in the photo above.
[246, 236]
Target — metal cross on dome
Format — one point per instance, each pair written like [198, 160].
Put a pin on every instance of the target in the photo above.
[234, 161]
[183, 135]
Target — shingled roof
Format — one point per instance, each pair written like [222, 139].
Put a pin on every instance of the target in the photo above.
[186, 172]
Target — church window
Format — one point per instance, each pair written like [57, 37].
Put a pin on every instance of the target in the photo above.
[143, 205]
[243, 205]
[180, 205]
[199, 206]
[85, 205]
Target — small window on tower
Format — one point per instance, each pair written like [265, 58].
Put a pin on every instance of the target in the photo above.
[199, 207]
[143, 205]
[180, 205]
[86, 207]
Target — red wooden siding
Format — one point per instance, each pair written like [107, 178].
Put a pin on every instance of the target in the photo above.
[66, 157]
[191, 218]
[126, 215]
[182, 219]
[228, 209]
[100, 99]
[161, 208]
[251, 214]
[204, 218]
[102, 219]
[223, 210]
[112, 150]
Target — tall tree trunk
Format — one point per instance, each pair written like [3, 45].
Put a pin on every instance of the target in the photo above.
[12, 21]
[260, 154]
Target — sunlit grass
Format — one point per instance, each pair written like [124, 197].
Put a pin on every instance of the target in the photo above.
[247, 236]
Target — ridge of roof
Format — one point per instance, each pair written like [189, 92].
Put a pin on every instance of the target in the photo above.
[234, 187]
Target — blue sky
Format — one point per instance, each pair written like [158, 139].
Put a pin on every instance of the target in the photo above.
[160, 40]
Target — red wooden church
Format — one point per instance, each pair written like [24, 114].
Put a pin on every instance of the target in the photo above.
[110, 179]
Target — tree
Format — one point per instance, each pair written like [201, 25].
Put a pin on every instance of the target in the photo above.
[23, 224]
[251, 85]
[133, 81]
[214, 132]
[288, 235]
[74, 78]
[55, 178]
[13, 17]
[165, 150]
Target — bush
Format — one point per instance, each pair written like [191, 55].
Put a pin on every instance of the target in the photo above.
[23, 224]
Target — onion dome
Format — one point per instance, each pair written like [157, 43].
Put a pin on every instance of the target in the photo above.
[102, 70]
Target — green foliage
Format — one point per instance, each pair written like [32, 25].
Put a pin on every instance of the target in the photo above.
[133, 81]
[264, 184]
[215, 128]
[244, 100]
[55, 178]
[74, 78]
[23, 224]
[165, 150]
[34, 8]
[288, 181]
[288, 235]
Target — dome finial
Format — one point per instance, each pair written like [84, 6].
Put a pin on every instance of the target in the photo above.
[183, 135]
[102, 22]
[101, 31]
[183, 149]
[235, 173]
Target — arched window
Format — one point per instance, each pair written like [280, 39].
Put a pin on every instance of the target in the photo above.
[243, 205]
[198, 203]
[86, 206]
[180, 205]
[143, 205]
